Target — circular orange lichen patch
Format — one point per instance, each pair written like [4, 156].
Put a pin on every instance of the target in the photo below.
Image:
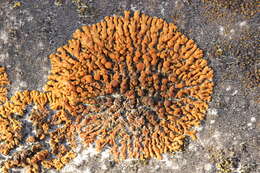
[151, 84]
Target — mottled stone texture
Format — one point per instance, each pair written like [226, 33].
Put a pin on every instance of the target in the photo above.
[228, 140]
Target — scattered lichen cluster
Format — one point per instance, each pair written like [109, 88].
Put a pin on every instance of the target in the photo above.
[49, 143]
[132, 83]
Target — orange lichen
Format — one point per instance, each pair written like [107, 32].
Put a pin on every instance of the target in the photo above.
[44, 122]
[155, 82]
[133, 84]
[3, 83]
[53, 128]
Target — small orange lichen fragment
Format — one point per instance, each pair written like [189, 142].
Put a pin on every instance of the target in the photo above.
[140, 66]
[108, 65]
[3, 83]
[88, 78]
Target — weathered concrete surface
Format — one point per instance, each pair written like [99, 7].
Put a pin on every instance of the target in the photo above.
[228, 141]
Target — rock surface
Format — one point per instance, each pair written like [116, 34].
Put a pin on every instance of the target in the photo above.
[228, 140]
